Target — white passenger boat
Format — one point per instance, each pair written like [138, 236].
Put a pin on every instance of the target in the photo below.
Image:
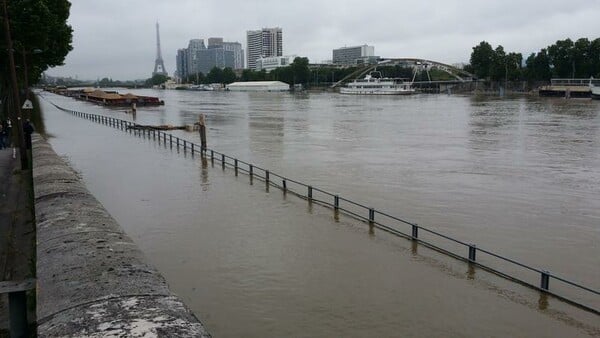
[371, 85]
[595, 89]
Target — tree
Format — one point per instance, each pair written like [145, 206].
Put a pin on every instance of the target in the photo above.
[229, 75]
[300, 71]
[482, 59]
[497, 69]
[594, 57]
[214, 76]
[538, 67]
[561, 58]
[41, 36]
[155, 80]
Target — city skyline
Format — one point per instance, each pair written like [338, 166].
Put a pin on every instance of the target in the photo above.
[123, 48]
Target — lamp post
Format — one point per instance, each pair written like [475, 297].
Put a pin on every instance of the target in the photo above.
[17, 101]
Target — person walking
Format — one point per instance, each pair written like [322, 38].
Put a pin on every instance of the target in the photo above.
[6, 128]
[2, 136]
[28, 130]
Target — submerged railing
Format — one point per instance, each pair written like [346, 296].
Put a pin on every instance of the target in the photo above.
[473, 255]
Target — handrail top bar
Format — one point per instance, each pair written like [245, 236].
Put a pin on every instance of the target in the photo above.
[17, 285]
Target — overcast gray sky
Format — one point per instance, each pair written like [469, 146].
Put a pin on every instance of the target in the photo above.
[116, 38]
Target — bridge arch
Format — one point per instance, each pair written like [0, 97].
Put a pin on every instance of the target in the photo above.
[422, 64]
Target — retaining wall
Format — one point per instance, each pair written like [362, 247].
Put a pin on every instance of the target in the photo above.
[92, 280]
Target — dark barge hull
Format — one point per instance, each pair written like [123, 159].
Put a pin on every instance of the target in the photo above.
[563, 93]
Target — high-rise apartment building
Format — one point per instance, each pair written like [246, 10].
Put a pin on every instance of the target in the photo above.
[238, 53]
[181, 62]
[194, 47]
[215, 42]
[214, 56]
[266, 42]
[197, 58]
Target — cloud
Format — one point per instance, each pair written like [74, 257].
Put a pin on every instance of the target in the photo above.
[116, 39]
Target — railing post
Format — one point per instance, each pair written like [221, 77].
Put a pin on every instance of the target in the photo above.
[336, 202]
[192, 148]
[251, 170]
[545, 280]
[177, 138]
[472, 252]
[267, 177]
[184, 145]
[371, 215]
[310, 193]
[415, 232]
[212, 155]
[284, 183]
[171, 140]
[235, 161]
[223, 160]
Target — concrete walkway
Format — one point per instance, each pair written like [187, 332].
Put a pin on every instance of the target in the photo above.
[17, 235]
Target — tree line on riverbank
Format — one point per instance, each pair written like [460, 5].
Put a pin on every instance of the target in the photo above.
[563, 59]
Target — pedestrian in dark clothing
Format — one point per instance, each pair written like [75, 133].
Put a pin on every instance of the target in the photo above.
[2, 136]
[7, 128]
[28, 129]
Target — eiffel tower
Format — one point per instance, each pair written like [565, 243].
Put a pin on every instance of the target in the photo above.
[159, 65]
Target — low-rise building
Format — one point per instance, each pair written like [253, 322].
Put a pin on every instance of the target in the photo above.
[353, 55]
[270, 63]
[258, 86]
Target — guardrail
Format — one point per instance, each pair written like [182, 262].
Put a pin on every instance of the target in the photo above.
[473, 255]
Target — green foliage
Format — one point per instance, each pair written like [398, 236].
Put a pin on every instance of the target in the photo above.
[482, 59]
[41, 36]
[215, 75]
[563, 59]
[155, 80]
[229, 75]
[538, 67]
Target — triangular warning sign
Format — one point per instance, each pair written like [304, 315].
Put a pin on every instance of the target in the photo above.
[27, 105]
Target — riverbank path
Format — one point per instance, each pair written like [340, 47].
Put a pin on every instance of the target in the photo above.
[17, 235]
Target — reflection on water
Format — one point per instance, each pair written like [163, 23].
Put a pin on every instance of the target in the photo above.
[518, 176]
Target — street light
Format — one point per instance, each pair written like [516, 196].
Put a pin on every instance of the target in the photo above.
[17, 105]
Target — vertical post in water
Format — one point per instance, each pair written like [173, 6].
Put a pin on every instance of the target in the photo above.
[415, 232]
[309, 193]
[472, 253]
[336, 202]
[223, 160]
[545, 280]
[251, 171]
[267, 177]
[212, 155]
[235, 161]
[371, 215]
[284, 184]
[202, 130]
[171, 140]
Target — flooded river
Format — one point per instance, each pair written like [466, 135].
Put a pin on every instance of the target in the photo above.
[517, 176]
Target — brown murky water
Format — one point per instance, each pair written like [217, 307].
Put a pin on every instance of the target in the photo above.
[517, 176]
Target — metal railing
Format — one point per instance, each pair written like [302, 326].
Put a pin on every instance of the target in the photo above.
[570, 82]
[472, 254]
